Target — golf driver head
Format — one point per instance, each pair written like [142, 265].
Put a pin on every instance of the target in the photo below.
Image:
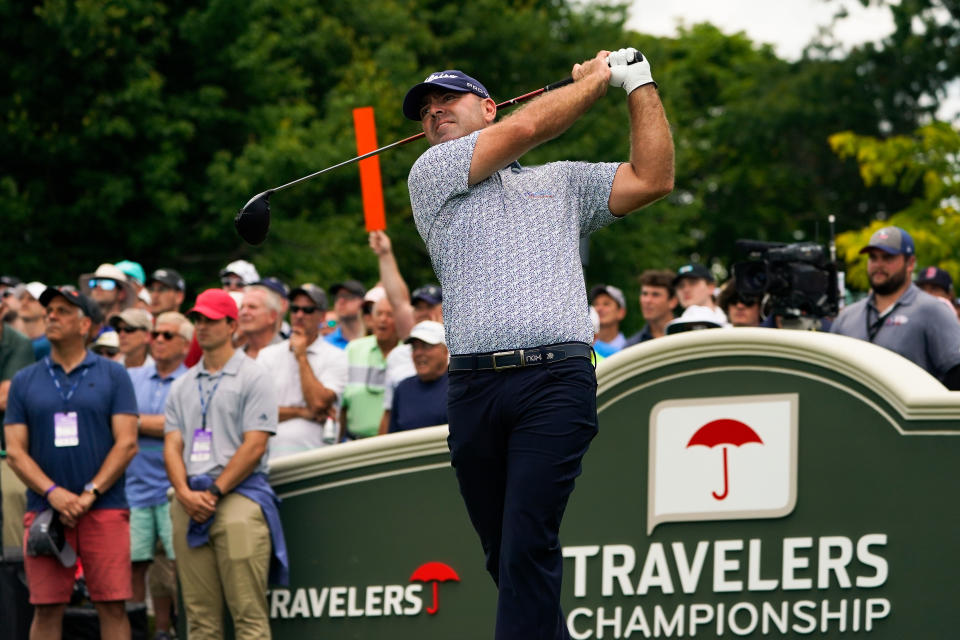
[253, 221]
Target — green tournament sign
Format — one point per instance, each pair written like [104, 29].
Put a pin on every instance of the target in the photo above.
[744, 483]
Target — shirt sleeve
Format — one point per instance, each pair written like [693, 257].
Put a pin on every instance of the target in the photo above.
[943, 338]
[590, 185]
[172, 412]
[260, 405]
[441, 173]
[124, 398]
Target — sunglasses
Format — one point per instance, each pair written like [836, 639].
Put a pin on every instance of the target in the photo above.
[231, 282]
[159, 288]
[104, 283]
[167, 335]
[308, 310]
[747, 301]
[129, 329]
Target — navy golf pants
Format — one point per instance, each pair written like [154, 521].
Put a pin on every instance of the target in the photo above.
[516, 441]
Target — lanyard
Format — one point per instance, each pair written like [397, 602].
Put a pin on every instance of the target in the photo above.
[56, 381]
[873, 328]
[205, 406]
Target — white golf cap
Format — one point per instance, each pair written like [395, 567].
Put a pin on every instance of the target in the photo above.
[376, 294]
[697, 317]
[35, 289]
[428, 331]
[245, 270]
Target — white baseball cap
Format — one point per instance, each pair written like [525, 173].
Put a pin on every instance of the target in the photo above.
[428, 331]
[245, 270]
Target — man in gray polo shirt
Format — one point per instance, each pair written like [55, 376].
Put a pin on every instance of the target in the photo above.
[504, 243]
[218, 419]
[898, 315]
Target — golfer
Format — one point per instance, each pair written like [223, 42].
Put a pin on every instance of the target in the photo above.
[504, 243]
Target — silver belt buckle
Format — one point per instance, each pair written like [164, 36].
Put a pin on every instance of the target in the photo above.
[507, 353]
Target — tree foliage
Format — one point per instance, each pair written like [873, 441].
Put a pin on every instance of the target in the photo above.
[926, 163]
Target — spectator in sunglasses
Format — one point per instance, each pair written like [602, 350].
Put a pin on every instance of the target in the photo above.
[742, 311]
[147, 481]
[133, 328]
[109, 288]
[237, 275]
[329, 324]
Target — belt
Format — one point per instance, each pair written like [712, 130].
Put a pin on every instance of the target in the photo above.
[520, 357]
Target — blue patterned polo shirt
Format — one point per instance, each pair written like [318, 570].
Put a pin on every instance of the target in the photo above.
[506, 250]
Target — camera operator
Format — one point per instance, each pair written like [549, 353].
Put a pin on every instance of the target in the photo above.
[898, 315]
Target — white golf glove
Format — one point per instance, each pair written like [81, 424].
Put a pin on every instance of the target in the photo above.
[627, 74]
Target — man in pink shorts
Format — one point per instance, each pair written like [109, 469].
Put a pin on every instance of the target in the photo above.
[71, 430]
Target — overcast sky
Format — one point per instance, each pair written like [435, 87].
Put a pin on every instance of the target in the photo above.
[786, 24]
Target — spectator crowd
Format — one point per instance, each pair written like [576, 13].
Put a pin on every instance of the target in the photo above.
[114, 394]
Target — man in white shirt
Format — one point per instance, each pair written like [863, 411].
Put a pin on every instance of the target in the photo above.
[308, 373]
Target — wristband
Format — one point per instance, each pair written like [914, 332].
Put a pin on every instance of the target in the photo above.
[46, 494]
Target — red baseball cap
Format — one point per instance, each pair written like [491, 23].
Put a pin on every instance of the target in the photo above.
[215, 304]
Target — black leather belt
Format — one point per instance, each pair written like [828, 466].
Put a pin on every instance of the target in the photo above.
[520, 357]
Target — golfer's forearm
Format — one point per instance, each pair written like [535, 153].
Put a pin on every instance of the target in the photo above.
[649, 174]
[540, 120]
[651, 143]
[554, 112]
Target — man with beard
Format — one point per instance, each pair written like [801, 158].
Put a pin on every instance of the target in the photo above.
[898, 315]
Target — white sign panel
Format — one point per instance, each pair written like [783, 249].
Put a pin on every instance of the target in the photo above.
[728, 458]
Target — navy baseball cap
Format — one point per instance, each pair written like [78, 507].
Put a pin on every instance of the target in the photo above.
[937, 277]
[276, 285]
[452, 79]
[90, 308]
[892, 240]
[693, 271]
[429, 293]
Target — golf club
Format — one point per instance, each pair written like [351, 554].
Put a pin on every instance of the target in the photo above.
[253, 220]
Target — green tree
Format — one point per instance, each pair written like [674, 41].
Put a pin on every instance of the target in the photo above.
[926, 163]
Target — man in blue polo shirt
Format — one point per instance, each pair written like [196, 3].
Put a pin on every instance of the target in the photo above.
[147, 481]
[898, 315]
[71, 429]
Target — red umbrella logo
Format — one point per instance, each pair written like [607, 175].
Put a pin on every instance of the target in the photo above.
[724, 432]
[434, 572]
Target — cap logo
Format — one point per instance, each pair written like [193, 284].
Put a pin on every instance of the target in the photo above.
[931, 271]
[476, 88]
[685, 269]
[440, 76]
